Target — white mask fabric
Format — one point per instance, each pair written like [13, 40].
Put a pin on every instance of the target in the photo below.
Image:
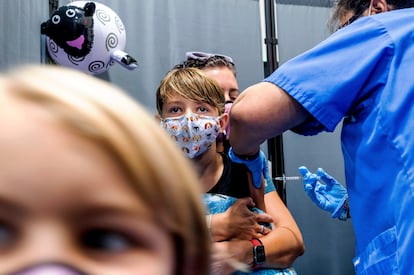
[193, 133]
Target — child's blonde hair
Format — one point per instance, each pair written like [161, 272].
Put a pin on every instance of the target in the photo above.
[162, 178]
[192, 84]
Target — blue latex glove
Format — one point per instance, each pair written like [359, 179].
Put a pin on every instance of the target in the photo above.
[330, 195]
[257, 166]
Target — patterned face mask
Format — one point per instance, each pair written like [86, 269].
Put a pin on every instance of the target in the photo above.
[193, 133]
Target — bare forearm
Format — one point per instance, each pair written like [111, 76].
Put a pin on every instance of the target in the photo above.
[281, 250]
[244, 140]
[262, 111]
[285, 243]
[282, 247]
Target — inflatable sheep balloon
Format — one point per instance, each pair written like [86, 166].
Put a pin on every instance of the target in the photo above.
[87, 36]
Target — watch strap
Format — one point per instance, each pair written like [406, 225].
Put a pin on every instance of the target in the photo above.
[256, 242]
[259, 256]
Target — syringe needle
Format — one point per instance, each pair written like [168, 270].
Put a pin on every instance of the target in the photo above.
[286, 178]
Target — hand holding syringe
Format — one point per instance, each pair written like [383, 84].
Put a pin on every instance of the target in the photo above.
[324, 190]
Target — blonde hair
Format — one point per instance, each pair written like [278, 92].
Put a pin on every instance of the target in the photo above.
[162, 178]
[192, 84]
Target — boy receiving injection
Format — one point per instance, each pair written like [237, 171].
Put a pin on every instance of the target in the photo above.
[191, 109]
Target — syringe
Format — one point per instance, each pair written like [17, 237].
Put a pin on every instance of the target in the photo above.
[286, 178]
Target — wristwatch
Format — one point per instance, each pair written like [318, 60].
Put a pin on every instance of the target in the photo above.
[259, 255]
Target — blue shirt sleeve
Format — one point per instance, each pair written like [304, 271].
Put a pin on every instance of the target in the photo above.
[331, 78]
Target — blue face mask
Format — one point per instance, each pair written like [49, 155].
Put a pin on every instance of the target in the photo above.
[49, 269]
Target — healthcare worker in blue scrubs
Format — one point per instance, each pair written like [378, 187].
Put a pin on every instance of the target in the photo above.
[362, 75]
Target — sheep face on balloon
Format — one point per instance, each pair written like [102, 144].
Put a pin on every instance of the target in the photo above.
[87, 36]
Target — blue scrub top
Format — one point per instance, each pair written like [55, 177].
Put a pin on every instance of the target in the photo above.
[363, 75]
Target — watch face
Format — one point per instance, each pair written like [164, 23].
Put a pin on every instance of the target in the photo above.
[259, 254]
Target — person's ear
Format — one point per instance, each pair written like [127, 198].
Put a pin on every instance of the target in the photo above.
[224, 120]
[379, 6]
[157, 117]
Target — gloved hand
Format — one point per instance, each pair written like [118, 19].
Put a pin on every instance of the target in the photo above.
[330, 196]
[257, 166]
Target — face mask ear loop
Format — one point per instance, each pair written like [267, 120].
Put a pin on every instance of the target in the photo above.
[220, 120]
[370, 8]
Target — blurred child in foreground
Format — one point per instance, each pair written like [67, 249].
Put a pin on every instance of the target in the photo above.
[89, 183]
